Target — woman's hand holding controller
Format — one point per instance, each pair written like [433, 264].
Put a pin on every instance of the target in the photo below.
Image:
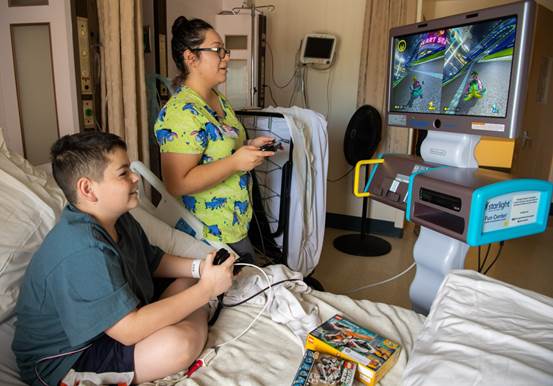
[261, 141]
[248, 157]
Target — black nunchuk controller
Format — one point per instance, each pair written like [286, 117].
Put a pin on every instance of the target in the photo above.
[221, 256]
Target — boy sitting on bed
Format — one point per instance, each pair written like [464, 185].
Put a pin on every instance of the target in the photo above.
[87, 308]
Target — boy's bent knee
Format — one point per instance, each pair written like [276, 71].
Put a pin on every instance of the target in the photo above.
[168, 351]
[187, 343]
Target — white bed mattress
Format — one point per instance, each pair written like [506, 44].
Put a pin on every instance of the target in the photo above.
[8, 368]
[269, 353]
[483, 332]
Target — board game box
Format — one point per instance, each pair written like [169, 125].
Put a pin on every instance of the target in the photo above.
[318, 369]
[374, 354]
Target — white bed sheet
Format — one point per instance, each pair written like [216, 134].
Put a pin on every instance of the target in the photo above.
[481, 331]
[9, 375]
[269, 353]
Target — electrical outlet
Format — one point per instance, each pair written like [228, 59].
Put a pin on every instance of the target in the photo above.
[84, 55]
[88, 114]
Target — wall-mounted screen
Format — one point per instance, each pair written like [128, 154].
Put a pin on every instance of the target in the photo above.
[463, 73]
[464, 70]
[318, 49]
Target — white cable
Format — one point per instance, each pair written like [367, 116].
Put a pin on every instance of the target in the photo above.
[260, 312]
[380, 282]
[50, 357]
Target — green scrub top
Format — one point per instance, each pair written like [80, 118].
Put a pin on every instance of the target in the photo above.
[187, 125]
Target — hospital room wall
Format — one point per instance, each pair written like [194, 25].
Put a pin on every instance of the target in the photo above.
[332, 93]
[286, 26]
[205, 9]
[16, 110]
[2, 109]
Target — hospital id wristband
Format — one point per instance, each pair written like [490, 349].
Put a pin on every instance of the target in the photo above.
[196, 268]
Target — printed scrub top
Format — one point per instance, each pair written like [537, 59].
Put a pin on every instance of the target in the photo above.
[186, 124]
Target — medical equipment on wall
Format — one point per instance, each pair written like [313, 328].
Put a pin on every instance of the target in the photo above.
[459, 77]
[244, 31]
[317, 51]
[317, 48]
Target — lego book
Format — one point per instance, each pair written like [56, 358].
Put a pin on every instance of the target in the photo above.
[318, 369]
[374, 354]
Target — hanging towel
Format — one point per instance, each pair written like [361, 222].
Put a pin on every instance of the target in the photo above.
[308, 190]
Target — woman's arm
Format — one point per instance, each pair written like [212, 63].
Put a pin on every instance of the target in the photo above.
[182, 174]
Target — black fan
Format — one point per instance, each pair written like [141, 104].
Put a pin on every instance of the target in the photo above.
[360, 142]
[362, 135]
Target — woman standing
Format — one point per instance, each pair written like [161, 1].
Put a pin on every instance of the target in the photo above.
[205, 157]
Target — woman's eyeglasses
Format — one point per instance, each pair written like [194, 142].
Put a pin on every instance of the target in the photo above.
[221, 52]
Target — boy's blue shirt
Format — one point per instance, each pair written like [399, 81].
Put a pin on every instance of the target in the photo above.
[78, 284]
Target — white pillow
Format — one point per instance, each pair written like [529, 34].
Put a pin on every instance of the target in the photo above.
[481, 331]
[169, 239]
[30, 204]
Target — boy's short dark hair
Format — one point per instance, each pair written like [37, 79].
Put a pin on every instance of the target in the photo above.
[82, 155]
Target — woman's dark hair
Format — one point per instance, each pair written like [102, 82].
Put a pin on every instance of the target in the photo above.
[186, 34]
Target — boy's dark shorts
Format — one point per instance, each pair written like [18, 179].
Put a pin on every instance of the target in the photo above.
[106, 355]
[105, 360]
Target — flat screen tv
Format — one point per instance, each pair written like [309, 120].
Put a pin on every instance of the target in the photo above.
[464, 73]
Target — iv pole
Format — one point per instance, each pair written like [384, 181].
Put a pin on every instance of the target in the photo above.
[250, 4]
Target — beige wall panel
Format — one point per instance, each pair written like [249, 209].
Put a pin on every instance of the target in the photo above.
[35, 90]
[58, 14]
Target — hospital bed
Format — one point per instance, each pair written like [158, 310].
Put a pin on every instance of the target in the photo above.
[479, 331]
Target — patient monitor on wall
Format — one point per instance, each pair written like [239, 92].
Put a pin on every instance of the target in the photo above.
[318, 49]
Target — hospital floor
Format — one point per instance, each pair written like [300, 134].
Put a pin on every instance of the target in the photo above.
[525, 262]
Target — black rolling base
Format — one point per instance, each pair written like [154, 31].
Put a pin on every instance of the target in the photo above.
[362, 245]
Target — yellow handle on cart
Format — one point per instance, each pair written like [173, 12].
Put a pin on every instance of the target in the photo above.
[356, 177]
